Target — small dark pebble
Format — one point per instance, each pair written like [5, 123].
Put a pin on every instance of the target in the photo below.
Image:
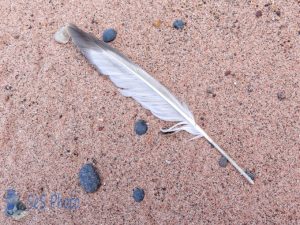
[268, 4]
[258, 13]
[227, 72]
[89, 178]
[278, 13]
[250, 174]
[140, 127]
[94, 21]
[109, 35]
[223, 162]
[210, 91]
[178, 24]
[281, 95]
[138, 194]
[8, 87]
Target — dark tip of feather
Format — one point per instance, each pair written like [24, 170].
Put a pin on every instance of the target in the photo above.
[86, 41]
[80, 38]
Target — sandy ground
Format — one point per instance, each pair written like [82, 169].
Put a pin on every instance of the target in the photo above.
[238, 72]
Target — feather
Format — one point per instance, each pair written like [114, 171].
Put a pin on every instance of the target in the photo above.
[136, 83]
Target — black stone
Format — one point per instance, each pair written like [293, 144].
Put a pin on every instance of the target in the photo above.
[140, 127]
[178, 24]
[223, 162]
[109, 35]
[138, 194]
[89, 178]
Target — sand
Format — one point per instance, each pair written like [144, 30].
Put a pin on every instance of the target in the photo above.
[238, 72]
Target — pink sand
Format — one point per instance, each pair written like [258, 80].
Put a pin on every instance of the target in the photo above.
[57, 113]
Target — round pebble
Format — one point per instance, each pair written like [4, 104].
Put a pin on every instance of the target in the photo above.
[223, 161]
[89, 178]
[138, 194]
[178, 24]
[281, 96]
[258, 13]
[157, 23]
[62, 36]
[109, 35]
[140, 127]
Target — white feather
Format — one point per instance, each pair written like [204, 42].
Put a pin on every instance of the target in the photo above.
[134, 82]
